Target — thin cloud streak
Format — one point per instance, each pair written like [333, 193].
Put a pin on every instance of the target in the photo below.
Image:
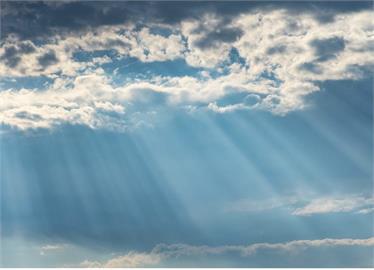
[163, 252]
[304, 206]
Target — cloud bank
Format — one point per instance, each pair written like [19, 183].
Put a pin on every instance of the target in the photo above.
[162, 253]
[266, 55]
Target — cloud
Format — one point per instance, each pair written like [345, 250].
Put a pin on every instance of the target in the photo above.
[12, 52]
[366, 211]
[153, 47]
[224, 109]
[218, 36]
[246, 205]
[131, 259]
[326, 49]
[333, 205]
[306, 206]
[80, 100]
[280, 60]
[52, 248]
[47, 59]
[188, 250]
[91, 101]
[57, 55]
[163, 252]
[45, 18]
[10, 57]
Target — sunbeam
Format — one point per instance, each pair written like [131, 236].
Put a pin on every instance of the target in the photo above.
[186, 134]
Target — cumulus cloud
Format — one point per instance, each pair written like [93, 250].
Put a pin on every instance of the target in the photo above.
[152, 47]
[90, 101]
[57, 54]
[281, 60]
[163, 252]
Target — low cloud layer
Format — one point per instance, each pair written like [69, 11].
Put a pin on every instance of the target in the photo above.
[131, 259]
[161, 253]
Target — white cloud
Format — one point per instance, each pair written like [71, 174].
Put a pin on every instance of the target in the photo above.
[281, 57]
[366, 211]
[335, 205]
[306, 205]
[124, 40]
[150, 47]
[89, 102]
[278, 44]
[163, 252]
[131, 259]
[181, 249]
[52, 248]
[223, 109]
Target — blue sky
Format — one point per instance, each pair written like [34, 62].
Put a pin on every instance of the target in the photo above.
[186, 134]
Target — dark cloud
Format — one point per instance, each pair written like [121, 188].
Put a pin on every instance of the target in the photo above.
[225, 35]
[326, 49]
[37, 19]
[117, 42]
[26, 47]
[311, 67]
[276, 49]
[10, 56]
[28, 116]
[47, 59]
[31, 20]
[366, 47]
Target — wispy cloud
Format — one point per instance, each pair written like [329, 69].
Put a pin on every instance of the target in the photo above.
[163, 252]
[52, 248]
[366, 211]
[131, 259]
[332, 205]
[249, 205]
[307, 206]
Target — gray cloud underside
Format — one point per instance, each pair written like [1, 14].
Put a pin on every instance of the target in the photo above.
[33, 19]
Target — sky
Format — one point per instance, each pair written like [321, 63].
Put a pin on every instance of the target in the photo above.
[186, 134]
